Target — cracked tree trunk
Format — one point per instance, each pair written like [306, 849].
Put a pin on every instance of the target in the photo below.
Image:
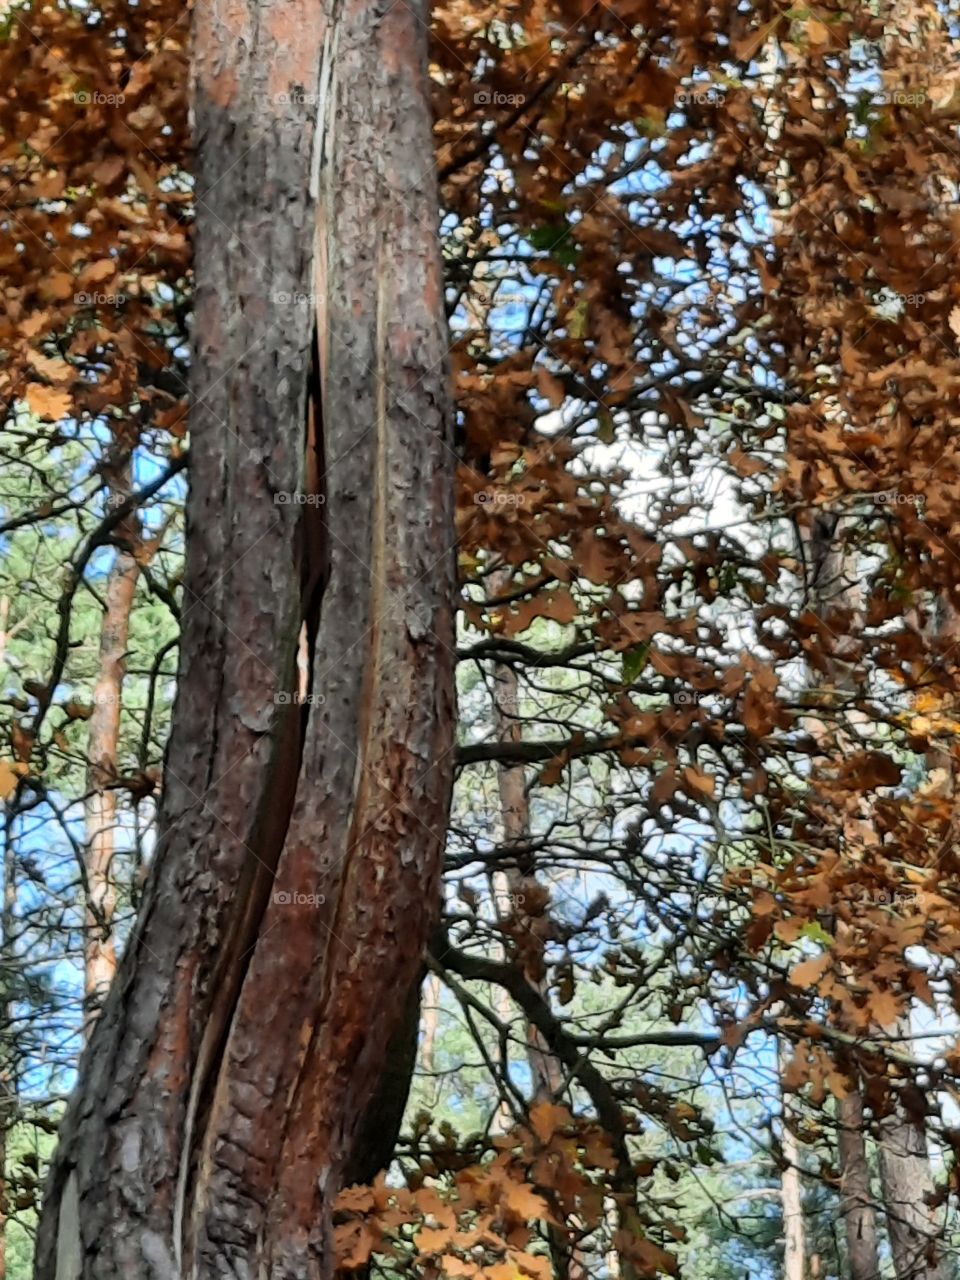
[300, 841]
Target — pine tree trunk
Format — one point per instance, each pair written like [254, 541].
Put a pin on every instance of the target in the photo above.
[297, 869]
[856, 1202]
[905, 1176]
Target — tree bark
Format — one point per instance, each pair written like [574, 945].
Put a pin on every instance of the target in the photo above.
[915, 1236]
[100, 811]
[300, 844]
[856, 1202]
[791, 1197]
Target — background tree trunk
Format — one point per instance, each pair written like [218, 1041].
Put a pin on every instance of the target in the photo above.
[791, 1197]
[299, 850]
[100, 810]
[915, 1235]
[856, 1202]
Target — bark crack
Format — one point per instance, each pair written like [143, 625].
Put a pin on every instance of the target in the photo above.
[263, 854]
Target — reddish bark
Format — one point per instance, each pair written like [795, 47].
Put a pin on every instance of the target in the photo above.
[300, 847]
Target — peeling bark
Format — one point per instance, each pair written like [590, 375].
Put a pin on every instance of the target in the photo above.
[300, 846]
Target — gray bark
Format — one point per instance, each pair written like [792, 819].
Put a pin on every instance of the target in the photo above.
[856, 1202]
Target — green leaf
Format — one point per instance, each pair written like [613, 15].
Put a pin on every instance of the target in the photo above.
[634, 660]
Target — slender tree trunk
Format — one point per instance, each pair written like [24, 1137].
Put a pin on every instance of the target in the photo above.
[791, 1196]
[791, 1191]
[99, 951]
[431, 1019]
[545, 1070]
[300, 844]
[856, 1202]
[916, 1236]
[546, 1073]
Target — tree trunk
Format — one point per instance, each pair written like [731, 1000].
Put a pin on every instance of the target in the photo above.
[906, 1180]
[300, 844]
[100, 813]
[856, 1202]
[545, 1071]
[791, 1196]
